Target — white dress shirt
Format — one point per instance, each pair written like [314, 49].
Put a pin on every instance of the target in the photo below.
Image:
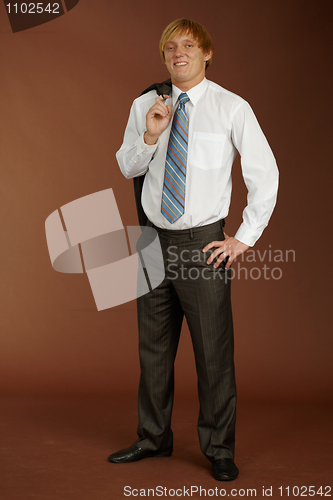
[220, 125]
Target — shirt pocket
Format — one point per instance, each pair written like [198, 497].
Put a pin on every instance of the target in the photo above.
[207, 150]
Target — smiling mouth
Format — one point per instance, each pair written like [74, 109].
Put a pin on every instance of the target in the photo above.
[181, 63]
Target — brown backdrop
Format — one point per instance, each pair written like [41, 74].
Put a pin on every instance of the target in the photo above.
[66, 89]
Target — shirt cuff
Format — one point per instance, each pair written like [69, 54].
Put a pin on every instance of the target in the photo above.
[142, 147]
[247, 235]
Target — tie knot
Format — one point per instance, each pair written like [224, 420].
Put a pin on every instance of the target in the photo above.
[183, 98]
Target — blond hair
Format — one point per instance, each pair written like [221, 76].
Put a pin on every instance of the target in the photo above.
[183, 27]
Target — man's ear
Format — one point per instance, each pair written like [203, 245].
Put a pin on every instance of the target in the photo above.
[208, 55]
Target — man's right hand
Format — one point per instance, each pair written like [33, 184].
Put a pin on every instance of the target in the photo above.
[157, 120]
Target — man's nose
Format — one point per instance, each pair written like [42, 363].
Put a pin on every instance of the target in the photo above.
[179, 51]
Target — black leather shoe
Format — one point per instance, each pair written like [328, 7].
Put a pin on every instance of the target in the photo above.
[224, 469]
[135, 453]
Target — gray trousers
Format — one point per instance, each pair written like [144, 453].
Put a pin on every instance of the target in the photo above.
[194, 289]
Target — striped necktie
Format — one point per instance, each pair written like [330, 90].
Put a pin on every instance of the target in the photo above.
[173, 194]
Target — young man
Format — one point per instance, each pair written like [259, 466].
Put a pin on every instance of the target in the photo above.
[186, 143]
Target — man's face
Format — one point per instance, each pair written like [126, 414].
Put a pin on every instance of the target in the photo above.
[185, 61]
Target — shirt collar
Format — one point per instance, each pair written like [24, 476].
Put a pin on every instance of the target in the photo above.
[194, 93]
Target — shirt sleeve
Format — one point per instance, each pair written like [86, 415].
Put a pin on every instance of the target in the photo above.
[259, 171]
[134, 155]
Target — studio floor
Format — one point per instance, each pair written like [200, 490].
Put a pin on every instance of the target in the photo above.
[55, 448]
